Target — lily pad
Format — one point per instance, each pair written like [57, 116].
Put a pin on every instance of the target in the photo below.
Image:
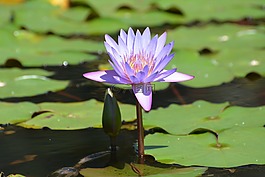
[235, 51]
[18, 83]
[180, 120]
[71, 116]
[242, 61]
[217, 37]
[15, 175]
[47, 14]
[106, 8]
[32, 49]
[238, 146]
[144, 170]
[5, 14]
[207, 71]
[232, 10]
[12, 113]
[134, 18]
[49, 18]
[78, 14]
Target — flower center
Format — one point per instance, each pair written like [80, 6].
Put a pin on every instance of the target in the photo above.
[138, 61]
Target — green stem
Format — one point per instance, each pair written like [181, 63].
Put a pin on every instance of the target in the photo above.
[140, 130]
[113, 144]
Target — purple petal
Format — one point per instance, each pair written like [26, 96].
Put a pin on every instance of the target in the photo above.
[128, 69]
[116, 59]
[165, 51]
[122, 80]
[116, 56]
[130, 40]
[111, 42]
[141, 76]
[146, 69]
[143, 93]
[122, 47]
[160, 43]
[134, 79]
[146, 37]
[150, 50]
[151, 78]
[174, 77]
[138, 43]
[164, 73]
[108, 47]
[123, 36]
[162, 64]
[117, 69]
[103, 76]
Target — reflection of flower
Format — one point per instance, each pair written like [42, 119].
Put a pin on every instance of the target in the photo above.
[139, 60]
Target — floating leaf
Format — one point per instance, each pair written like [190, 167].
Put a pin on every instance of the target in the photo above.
[234, 51]
[144, 170]
[217, 37]
[5, 14]
[23, 111]
[207, 71]
[178, 119]
[15, 175]
[34, 49]
[242, 61]
[108, 8]
[238, 146]
[234, 10]
[49, 18]
[70, 116]
[134, 18]
[18, 83]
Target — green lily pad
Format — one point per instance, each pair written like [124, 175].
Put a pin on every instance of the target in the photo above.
[78, 14]
[5, 14]
[49, 18]
[217, 37]
[18, 83]
[242, 61]
[137, 14]
[144, 171]
[234, 10]
[104, 25]
[236, 51]
[33, 49]
[47, 14]
[71, 116]
[23, 111]
[108, 8]
[135, 18]
[238, 146]
[182, 120]
[207, 71]
[15, 175]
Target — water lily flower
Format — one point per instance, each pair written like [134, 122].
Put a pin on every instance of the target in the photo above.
[138, 60]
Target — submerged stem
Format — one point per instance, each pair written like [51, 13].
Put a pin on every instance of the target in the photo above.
[140, 131]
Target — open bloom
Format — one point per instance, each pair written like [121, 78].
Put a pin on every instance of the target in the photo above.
[138, 60]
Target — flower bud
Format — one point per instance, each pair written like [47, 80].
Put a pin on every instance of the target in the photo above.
[111, 117]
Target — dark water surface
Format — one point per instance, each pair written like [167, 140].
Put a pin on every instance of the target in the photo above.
[53, 150]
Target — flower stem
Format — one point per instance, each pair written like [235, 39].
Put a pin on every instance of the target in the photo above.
[140, 130]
